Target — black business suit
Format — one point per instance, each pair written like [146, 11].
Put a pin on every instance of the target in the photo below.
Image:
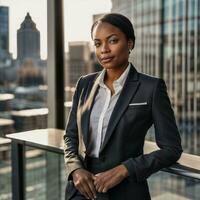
[143, 101]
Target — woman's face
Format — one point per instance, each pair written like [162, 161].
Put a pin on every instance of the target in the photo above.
[111, 46]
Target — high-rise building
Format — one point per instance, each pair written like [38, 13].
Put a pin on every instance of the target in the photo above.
[6, 124]
[79, 62]
[28, 40]
[23, 109]
[30, 74]
[4, 33]
[29, 119]
[168, 46]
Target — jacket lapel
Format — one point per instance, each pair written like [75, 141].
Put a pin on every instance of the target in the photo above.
[127, 93]
[85, 109]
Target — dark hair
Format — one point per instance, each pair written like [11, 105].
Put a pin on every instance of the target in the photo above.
[121, 22]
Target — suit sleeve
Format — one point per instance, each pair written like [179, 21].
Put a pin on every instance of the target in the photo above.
[166, 135]
[71, 158]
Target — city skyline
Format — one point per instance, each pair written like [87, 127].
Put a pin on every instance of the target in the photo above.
[72, 25]
[167, 46]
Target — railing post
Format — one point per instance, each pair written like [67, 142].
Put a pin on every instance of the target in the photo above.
[18, 171]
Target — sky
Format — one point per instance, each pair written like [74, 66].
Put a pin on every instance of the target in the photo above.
[77, 19]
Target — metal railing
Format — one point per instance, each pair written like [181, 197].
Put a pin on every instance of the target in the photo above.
[51, 140]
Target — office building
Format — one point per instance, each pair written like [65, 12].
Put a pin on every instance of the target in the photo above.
[31, 69]
[79, 61]
[4, 36]
[4, 31]
[6, 126]
[6, 101]
[29, 119]
[167, 46]
[28, 40]
[30, 74]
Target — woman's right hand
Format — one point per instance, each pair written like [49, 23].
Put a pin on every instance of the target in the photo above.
[84, 182]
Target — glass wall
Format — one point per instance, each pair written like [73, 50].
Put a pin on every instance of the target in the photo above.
[167, 46]
[165, 186]
[79, 49]
[23, 86]
[23, 83]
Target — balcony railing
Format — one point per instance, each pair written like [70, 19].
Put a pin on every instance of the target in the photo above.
[51, 140]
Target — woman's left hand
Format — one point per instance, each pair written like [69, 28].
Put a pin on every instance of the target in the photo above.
[105, 180]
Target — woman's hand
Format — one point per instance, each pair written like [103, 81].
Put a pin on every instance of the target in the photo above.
[84, 182]
[108, 179]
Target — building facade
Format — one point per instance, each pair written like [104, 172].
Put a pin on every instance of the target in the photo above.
[28, 40]
[167, 46]
[79, 61]
[4, 35]
[4, 31]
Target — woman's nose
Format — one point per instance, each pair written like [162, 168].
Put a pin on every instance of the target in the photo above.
[105, 48]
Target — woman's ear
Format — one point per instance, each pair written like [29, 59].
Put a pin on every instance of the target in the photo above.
[131, 44]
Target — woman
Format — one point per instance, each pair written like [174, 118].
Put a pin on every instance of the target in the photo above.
[111, 113]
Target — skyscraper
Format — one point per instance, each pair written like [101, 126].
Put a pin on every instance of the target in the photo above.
[4, 33]
[28, 40]
[168, 46]
[79, 61]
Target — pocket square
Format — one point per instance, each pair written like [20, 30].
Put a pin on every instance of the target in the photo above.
[138, 104]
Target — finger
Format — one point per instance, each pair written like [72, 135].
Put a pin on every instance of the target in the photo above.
[104, 190]
[83, 193]
[97, 185]
[83, 189]
[100, 185]
[87, 191]
[110, 184]
[106, 184]
[100, 189]
[92, 189]
[98, 174]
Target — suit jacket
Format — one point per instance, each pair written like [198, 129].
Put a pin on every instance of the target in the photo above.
[143, 101]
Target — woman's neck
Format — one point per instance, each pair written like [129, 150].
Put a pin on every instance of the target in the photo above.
[114, 73]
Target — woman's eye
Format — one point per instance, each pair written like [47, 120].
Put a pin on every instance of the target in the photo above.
[113, 41]
[96, 44]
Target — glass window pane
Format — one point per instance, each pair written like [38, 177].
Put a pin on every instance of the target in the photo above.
[23, 84]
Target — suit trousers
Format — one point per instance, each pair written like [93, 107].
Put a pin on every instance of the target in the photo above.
[79, 196]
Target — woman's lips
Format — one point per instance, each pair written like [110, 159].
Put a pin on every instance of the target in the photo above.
[106, 59]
